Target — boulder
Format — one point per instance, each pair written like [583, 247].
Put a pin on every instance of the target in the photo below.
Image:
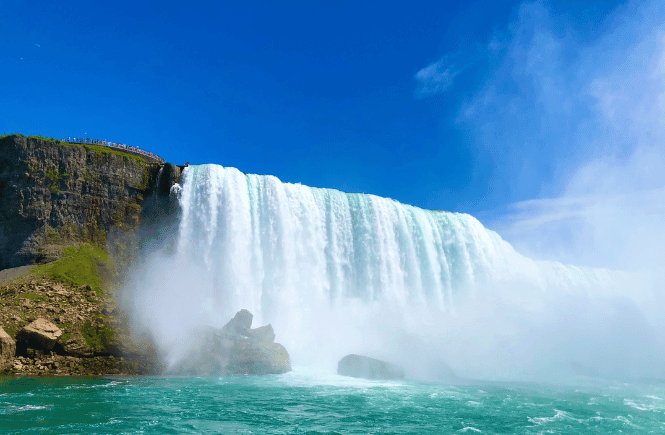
[77, 346]
[40, 333]
[236, 349]
[248, 358]
[240, 323]
[359, 366]
[7, 349]
[263, 334]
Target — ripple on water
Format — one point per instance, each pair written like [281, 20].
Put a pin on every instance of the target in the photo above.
[319, 403]
[16, 409]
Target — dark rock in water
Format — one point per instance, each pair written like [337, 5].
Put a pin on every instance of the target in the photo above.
[251, 358]
[236, 349]
[359, 366]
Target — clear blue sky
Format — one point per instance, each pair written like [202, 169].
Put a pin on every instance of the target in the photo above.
[463, 106]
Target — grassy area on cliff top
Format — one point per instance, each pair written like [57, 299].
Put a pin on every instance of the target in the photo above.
[78, 266]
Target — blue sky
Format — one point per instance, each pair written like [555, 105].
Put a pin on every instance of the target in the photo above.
[528, 115]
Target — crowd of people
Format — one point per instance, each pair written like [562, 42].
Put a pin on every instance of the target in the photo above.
[118, 146]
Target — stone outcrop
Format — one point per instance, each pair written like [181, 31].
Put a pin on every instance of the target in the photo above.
[263, 334]
[169, 175]
[251, 358]
[91, 333]
[240, 324]
[7, 349]
[39, 334]
[77, 346]
[54, 194]
[236, 349]
[359, 366]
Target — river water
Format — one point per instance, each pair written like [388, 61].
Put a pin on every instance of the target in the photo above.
[311, 402]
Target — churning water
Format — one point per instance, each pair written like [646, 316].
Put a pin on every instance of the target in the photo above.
[322, 404]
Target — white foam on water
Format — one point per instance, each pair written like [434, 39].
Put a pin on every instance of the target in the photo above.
[558, 416]
[15, 409]
[316, 376]
[656, 404]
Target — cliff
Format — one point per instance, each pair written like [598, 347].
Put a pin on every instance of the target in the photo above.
[56, 194]
[76, 210]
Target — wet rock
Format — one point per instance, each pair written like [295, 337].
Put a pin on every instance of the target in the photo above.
[170, 174]
[236, 349]
[41, 332]
[263, 334]
[251, 358]
[359, 366]
[7, 349]
[240, 323]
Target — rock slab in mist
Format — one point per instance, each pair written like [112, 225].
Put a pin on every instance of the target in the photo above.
[7, 349]
[263, 334]
[240, 323]
[236, 349]
[40, 333]
[251, 358]
[359, 366]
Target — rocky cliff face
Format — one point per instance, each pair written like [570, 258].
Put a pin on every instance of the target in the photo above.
[50, 328]
[54, 194]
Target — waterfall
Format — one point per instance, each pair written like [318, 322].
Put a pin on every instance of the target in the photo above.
[345, 269]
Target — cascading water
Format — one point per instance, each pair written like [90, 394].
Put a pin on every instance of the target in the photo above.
[339, 272]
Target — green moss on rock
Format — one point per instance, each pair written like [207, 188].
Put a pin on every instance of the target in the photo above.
[98, 336]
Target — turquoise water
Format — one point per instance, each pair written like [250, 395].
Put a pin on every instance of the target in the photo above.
[313, 403]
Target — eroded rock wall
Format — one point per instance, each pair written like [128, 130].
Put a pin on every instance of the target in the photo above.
[53, 194]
